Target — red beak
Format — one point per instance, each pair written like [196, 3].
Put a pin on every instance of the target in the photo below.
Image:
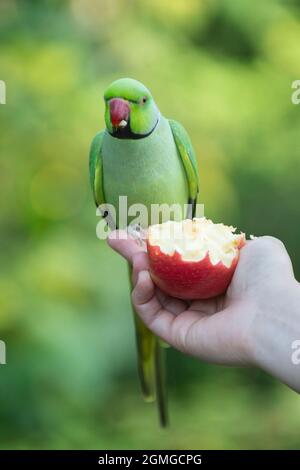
[119, 111]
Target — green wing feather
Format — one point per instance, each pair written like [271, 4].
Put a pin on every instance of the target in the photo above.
[188, 157]
[96, 169]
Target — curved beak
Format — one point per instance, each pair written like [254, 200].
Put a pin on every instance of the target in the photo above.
[119, 112]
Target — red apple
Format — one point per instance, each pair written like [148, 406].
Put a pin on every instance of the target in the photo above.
[193, 259]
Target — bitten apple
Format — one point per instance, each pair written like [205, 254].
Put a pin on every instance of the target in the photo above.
[193, 259]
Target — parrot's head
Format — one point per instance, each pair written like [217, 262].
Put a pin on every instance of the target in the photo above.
[130, 111]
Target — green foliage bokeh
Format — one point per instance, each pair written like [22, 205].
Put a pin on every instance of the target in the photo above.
[222, 68]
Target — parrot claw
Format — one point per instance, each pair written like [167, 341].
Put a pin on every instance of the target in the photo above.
[139, 234]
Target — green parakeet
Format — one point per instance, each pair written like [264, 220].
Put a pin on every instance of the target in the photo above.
[149, 159]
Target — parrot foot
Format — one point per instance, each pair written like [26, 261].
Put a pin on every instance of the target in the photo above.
[138, 233]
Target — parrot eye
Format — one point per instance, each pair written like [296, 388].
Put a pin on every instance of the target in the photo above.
[144, 99]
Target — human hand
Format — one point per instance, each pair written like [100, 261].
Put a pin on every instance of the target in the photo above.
[224, 330]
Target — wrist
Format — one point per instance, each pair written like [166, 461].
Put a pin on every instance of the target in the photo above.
[275, 327]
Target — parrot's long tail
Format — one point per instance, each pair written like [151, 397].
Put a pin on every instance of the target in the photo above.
[151, 367]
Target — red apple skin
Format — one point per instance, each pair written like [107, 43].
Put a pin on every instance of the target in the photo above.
[189, 279]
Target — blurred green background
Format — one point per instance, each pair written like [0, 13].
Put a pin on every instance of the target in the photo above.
[222, 68]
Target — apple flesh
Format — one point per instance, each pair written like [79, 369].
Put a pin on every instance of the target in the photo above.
[193, 259]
